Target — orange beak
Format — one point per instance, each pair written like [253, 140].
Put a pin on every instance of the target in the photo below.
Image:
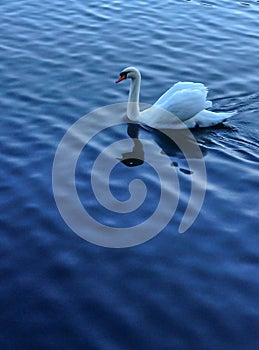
[122, 77]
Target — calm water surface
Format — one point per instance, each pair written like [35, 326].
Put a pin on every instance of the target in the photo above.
[200, 290]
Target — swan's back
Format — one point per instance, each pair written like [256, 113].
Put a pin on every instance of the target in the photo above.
[184, 85]
[184, 99]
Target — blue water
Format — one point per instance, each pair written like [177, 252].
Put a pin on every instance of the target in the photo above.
[198, 290]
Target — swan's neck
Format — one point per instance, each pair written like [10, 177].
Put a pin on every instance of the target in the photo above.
[133, 102]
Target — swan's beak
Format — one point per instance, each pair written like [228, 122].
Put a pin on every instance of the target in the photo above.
[122, 77]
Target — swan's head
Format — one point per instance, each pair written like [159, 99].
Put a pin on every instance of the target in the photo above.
[129, 72]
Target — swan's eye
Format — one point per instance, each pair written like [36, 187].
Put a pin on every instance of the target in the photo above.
[123, 76]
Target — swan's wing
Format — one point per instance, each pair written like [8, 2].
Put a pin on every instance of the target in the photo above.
[184, 103]
[182, 86]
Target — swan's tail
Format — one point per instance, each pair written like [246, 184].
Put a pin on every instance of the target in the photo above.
[207, 118]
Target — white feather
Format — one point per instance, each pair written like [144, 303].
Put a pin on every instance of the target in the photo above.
[207, 118]
[186, 101]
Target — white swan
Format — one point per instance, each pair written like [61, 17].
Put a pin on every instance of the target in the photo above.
[185, 100]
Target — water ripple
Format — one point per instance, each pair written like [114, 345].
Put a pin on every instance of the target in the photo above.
[59, 61]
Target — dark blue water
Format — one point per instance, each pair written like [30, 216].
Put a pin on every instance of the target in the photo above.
[199, 290]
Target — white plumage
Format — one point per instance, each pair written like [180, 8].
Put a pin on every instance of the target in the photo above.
[185, 101]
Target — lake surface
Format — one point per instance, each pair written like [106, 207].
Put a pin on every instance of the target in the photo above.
[197, 290]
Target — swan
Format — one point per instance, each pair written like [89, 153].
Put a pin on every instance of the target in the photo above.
[186, 101]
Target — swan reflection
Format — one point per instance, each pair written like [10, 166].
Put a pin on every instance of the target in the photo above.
[136, 156]
[169, 143]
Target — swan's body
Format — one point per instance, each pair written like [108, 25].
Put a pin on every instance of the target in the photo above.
[185, 101]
